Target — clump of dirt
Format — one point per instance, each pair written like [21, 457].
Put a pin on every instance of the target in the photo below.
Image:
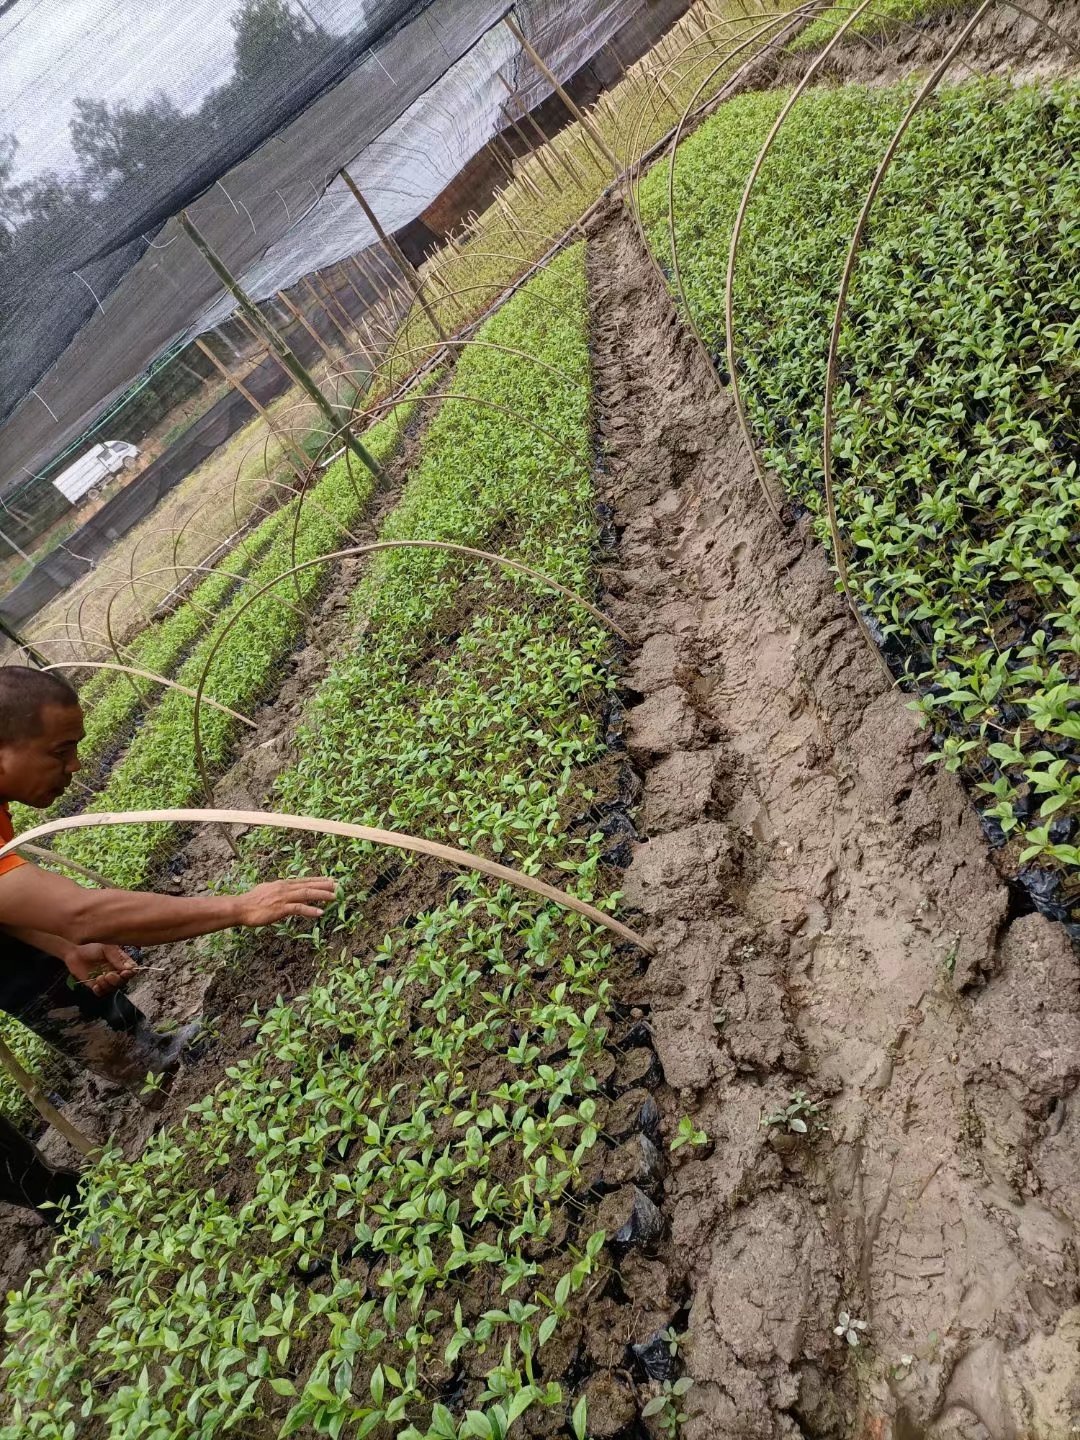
[828, 924]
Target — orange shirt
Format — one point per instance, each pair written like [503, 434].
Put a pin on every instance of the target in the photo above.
[7, 832]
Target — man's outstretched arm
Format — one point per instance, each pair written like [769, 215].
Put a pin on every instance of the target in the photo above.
[35, 899]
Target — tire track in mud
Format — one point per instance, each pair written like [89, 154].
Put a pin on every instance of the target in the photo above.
[827, 920]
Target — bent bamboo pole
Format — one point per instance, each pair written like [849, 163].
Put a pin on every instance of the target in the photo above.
[394, 839]
[676, 137]
[434, 346]
[832, 367]
[31, 1088]
[733, 251]
[149, 675]
[429, 399]
[53, 857]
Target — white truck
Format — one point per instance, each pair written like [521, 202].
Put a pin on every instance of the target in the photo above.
[94, 468]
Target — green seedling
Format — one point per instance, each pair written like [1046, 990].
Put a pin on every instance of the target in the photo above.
[666, 1407]
[796, 1115]
[687, 1133]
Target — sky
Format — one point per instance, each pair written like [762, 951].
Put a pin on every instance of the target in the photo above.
[53, 51]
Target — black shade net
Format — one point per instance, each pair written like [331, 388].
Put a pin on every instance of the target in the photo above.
[244, 113]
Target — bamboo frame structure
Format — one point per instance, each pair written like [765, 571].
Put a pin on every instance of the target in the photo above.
[733, 250]
[273, 339]
[393, 839]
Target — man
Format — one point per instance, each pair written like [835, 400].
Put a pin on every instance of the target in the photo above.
[63, 969]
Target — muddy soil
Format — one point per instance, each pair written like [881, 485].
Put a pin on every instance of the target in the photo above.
[827, 922]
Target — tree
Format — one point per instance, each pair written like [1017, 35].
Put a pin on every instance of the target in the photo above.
[271, 42]
[126, 143]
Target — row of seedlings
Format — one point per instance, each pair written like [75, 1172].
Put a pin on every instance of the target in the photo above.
[956, 445]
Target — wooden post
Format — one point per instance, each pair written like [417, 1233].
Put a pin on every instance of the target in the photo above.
[530, 149]
[333, 303]
[23, 644]
[17, 548]
[499, 161]
[298, 314]
[578, 114]
[43, 1105]
[394, 250]
[264, 349]
[257, 405]
[278, 345]
[321, 304]
[375, 276]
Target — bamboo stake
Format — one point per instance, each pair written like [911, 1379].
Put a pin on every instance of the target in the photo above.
[333, 303]
[314, 295]
[578, 114]
[530, 149]
[298, 314]
[276, 342]
[394, 250]
[546, 144]
[257, 405]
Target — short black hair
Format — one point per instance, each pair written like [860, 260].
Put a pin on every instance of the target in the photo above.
[24, 693]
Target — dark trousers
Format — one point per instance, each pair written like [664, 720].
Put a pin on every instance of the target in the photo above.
[26, 1177]
[94, 1031]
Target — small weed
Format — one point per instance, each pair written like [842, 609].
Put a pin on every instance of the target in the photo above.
[849, 1328]
[795, 1115]
[688, 1134]
[666, 1406]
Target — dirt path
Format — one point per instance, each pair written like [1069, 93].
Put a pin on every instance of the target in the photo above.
[828, 921]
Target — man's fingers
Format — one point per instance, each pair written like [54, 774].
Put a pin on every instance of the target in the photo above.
[120, 960]
[318, 885]
[310, 912]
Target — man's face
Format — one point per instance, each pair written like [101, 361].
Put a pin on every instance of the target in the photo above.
[38, 770]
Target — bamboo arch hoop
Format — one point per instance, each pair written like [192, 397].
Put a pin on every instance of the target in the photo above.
[435, 346]
[703, 51]
[188, 571]
[393, 403]
[376, 546]
[53, 857]
[736, 232]
[487, 285]
[149, 675]
[761, 40]
[928, 87]
[412, 844]
[392, 839]
[802, 12]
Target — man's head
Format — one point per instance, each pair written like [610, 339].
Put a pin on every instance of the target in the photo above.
[41, 725]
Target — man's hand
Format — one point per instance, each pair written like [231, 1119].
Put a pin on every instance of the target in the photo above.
[278, 899]
[102, 968]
